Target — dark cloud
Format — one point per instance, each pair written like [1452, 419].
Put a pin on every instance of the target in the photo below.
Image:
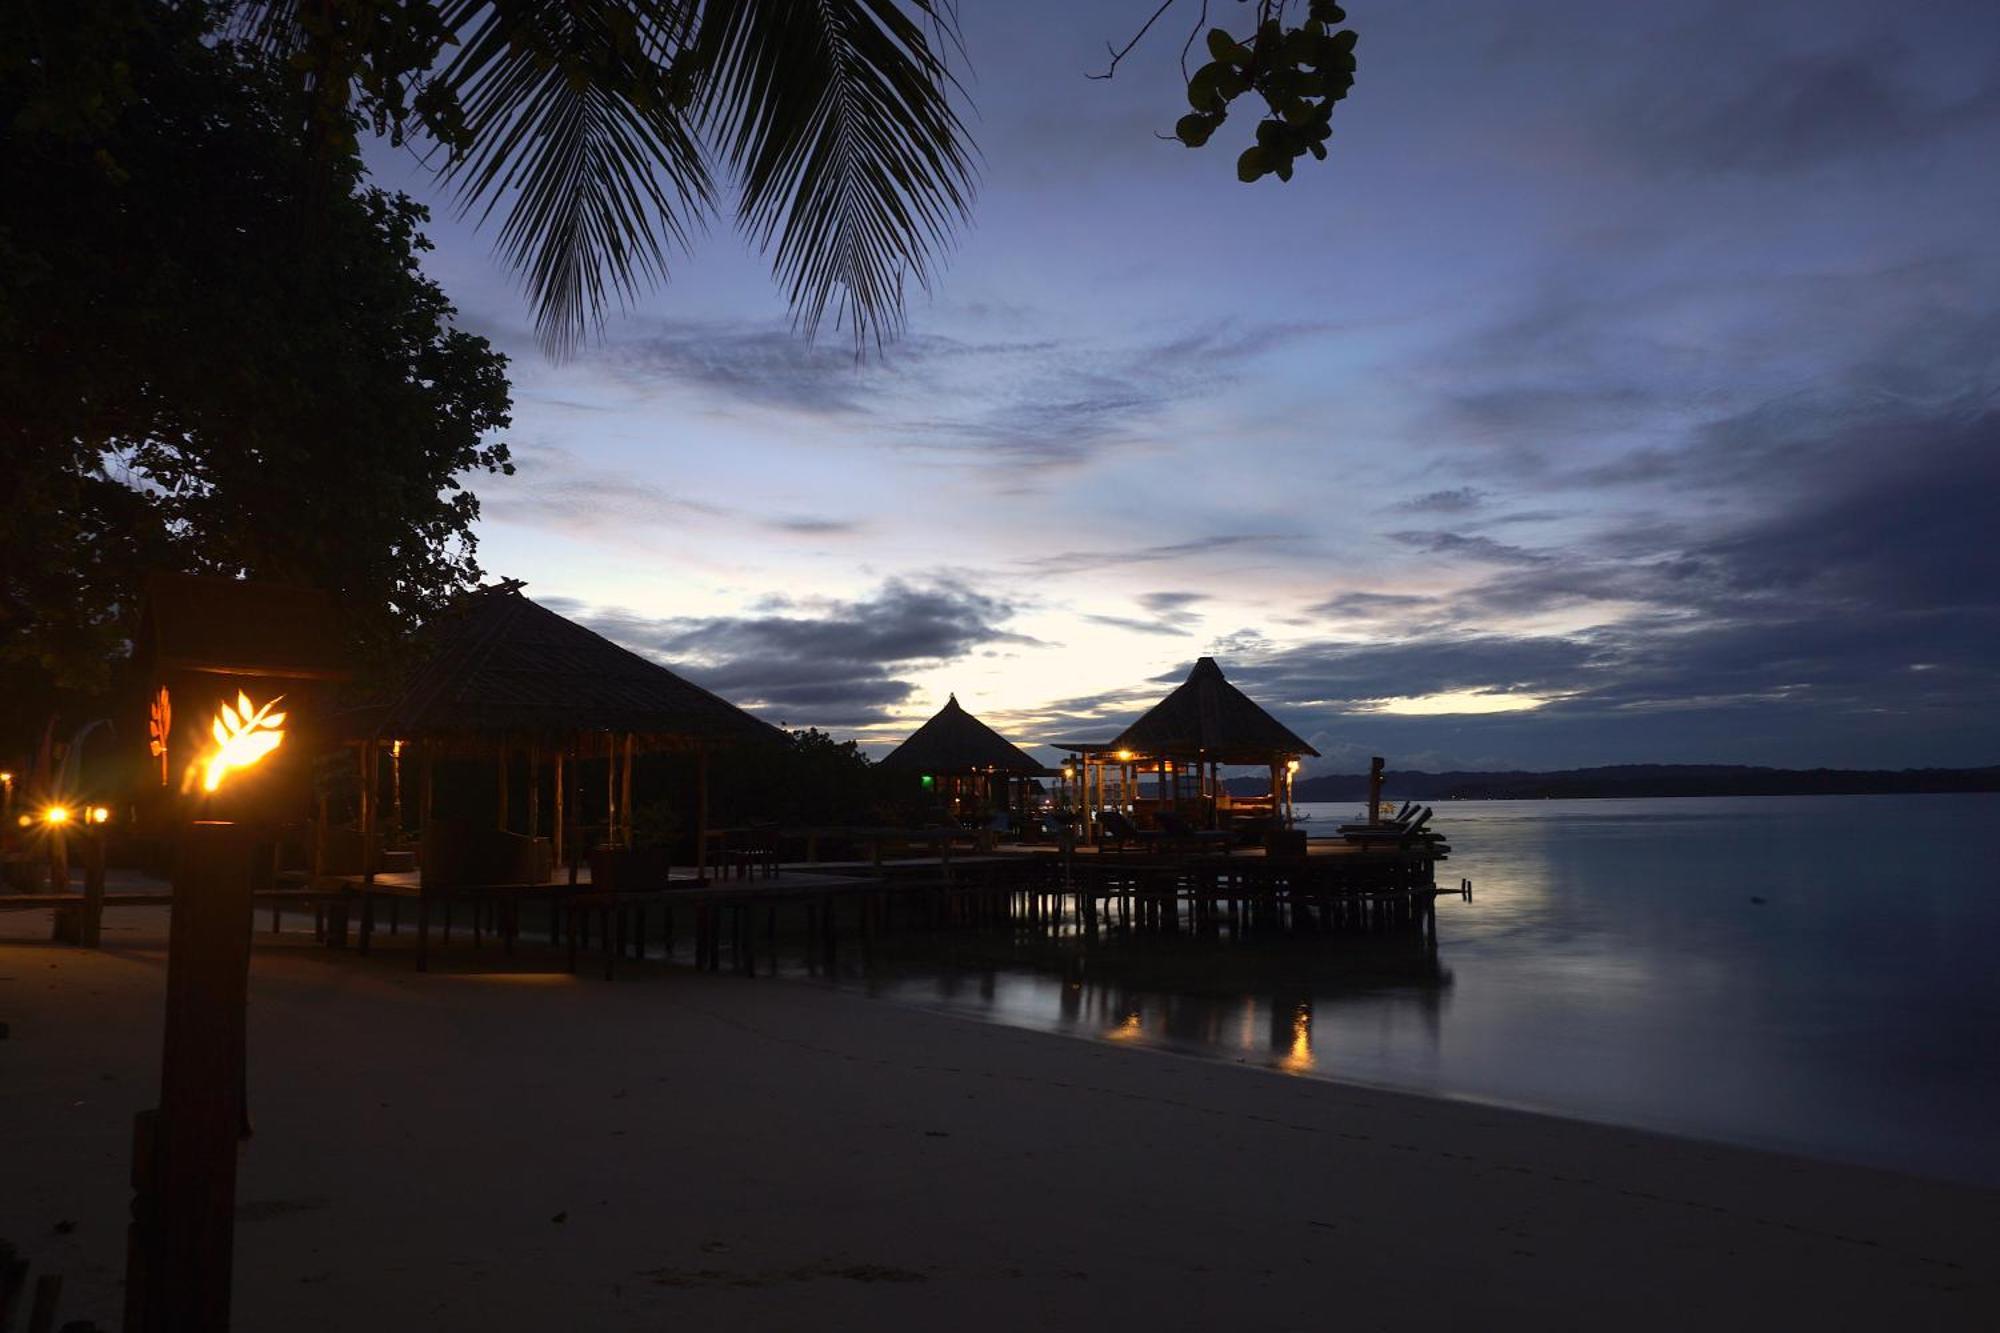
[835, 664]
[1857, 617]
[1458, 500]
[1069, 561]
[1174, 608]
[1482, 549]
[768, 366]
[809, 526]
[1793, 112]
[1045, 403]
[552, 488]
[1135, 626]
[1371, 605]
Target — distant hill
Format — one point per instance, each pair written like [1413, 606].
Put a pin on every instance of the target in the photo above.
[1638, 780]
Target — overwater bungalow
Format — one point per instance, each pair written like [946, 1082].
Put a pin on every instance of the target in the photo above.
[972, 768]
[559, 713]
[1168, 763]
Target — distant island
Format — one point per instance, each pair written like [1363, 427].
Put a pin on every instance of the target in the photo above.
[1635, 780]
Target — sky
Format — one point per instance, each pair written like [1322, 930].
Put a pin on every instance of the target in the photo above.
[1624, 388]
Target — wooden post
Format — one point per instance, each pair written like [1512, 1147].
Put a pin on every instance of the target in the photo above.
[424, 801]
[396, 786]
[183, 1217]
[556, 807]
[319, 839]
[534, 790]
[1375, 789]
[625, 793]
[503, 775]
[91, 934]
[610, 789]
[368, 776]
[701, 815]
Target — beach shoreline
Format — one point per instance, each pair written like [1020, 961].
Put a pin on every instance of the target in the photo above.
[497, 1145]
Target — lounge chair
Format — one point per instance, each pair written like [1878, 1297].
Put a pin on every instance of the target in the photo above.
[1116, 828]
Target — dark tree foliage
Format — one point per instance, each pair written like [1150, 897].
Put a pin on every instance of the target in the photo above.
[1298, 71]
[811, 779]
[217, 353]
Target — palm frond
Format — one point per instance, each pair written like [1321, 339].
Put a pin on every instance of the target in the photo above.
[837, 117]
[573, 122]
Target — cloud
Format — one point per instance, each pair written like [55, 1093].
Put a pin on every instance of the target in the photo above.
[1175, 608]
[810, 526]
[1794, 112]
[1068, 561]
[989, 403]
[1371, 605]
[1136, 626]
[823, 663]
[1483, 549]
[1458, 500]
[554, 489]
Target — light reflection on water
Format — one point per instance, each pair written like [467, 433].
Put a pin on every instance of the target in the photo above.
[1813, 974]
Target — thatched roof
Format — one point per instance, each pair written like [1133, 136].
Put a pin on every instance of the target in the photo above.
[505, 666]
[1208, 716]
[955, 741]
[239, 627]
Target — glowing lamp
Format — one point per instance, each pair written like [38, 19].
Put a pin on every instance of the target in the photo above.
[26, 820]
[929, 782]
[1292, 766]
[56, 814]
[242, 734]
[1124, 756]
[99, 815]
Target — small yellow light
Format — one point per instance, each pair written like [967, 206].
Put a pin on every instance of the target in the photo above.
[1292, 766]
[26, 820]
[56, 814]
[98, 814]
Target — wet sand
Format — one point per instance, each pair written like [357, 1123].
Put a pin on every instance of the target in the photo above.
[494, 1147]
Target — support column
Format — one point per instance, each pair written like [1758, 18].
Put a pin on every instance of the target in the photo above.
[701, 814]
[424, 800]
[556, 809]
[610, 789]
[368, 776]
[503, 775]
[625, 793]
[534, 790]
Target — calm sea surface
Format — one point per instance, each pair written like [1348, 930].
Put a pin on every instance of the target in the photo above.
[1814, 974]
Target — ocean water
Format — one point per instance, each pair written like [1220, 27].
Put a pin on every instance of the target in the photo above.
[1812, 974]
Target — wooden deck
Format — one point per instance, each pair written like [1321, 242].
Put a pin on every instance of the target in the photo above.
[1336, 885]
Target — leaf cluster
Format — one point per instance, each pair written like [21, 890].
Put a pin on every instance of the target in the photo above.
[593, 129]
[1299, 72]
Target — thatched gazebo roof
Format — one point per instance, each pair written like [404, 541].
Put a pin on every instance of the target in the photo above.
[955, 741]
[508, 667]
[1206, 716]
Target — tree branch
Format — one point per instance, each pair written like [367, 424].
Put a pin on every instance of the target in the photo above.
[1120, 54]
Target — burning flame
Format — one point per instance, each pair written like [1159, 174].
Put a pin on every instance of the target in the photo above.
[243, 734]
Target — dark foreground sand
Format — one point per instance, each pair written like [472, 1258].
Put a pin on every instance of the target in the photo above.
[507, 1149]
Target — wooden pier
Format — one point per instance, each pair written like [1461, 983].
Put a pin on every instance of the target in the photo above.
[1334, 888]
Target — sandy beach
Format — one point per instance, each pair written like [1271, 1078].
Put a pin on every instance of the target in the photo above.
[494, 1146]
